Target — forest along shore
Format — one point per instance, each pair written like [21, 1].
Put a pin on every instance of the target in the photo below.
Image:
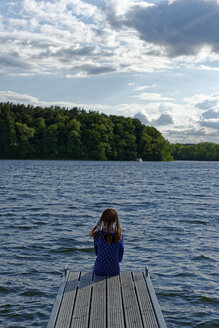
[34, 132]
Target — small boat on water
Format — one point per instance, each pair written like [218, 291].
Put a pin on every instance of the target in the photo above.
[139, 159]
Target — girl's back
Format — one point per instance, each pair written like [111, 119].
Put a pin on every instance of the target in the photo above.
[108, 243]
[108, 254]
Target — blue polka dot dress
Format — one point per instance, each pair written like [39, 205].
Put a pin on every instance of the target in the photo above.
[108, 256]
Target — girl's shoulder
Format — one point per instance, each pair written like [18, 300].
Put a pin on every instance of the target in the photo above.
[110, 237]
[97, 234]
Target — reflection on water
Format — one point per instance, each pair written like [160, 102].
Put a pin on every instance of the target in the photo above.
[168, 212]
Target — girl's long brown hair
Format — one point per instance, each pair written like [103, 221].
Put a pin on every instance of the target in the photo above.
[109, 222]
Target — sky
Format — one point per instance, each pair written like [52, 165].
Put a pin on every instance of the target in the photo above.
[158, 60]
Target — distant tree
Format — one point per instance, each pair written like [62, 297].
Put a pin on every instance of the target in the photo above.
[204, 151]
[24, 136]
[57, 133]
[153, 146]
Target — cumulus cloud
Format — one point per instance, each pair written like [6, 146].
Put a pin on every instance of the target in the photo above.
[150, 96]
[192, 135]
[49, 35]
[67, 54]
[116, 7]
[177, 123]
[212, 113]
[206, 104]
[126, 35]
[185, 122]
[144, 87]
[164, 119]
[213, 124]
[13, 60]
[53, 36]
[79, 38]
[203, 101]
[210, 118]
[94, 69]
[16, 97]
[143, 118]
[182, 27]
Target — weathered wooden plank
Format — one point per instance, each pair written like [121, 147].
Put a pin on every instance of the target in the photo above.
[146, 307]
[68, 299]
[154, 300]
[131, 308]
[115, 317]
[57, 303]
[98, 313]
[126, 300]
[80, 316]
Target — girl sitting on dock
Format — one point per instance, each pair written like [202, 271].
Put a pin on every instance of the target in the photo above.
[108, 243]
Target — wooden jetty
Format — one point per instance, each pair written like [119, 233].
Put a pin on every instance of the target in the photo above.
[87, 300]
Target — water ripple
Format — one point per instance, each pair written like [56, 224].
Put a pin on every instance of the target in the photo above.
[169, 216]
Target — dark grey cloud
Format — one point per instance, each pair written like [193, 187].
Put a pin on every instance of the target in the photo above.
[198, 132]
[182, 27]
[23, 40]
[213, 124]
[193, 135]
[74, 56]
[13, 60]
[206, 104]
[72, 52]
[67, 54]
[212, 113]
[94, 69]
[164, 119]
[142, 118]
[210, 119]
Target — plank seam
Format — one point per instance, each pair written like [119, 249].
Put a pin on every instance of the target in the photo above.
[61, 301]
[76, 293]
[123, 307]
[91, 294]
[136, 294]
[151, 300]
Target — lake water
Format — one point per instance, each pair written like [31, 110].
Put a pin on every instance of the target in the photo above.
[168, 212]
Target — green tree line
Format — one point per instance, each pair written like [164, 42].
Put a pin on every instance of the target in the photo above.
[204, 151]
[33, 132]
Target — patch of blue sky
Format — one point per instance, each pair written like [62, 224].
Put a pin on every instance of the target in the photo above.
[3, 7]
[99, 89]
[40, 63]
[10, 9]
[98, 3]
